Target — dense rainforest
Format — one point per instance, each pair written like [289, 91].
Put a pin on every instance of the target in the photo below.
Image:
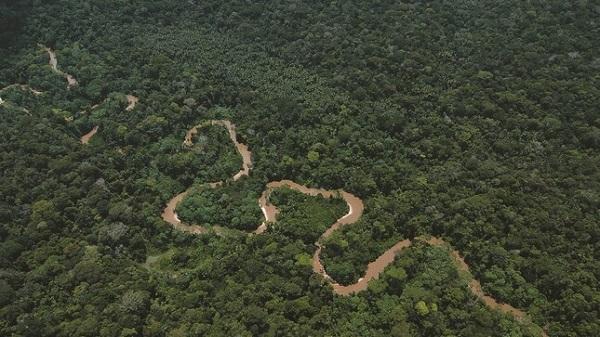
[477, 122]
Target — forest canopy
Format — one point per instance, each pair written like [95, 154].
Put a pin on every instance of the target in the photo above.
[475, 123]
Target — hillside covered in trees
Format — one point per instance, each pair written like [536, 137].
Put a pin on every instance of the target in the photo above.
[469, 129]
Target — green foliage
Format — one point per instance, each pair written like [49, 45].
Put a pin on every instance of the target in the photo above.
[233, 205]
[303, 217]
[421, 308]
[476, 121]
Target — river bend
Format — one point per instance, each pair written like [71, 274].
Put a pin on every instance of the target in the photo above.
[355, 211]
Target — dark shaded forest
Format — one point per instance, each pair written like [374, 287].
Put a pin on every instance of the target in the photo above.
[477, 122]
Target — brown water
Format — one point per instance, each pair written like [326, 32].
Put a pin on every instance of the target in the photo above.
[373, 269]
[131, 101]
[241, 148]
[71, 81]
[169, 214]
[86, 138]
[355, 211]
[474, 284]
[376, 267]
[475, 287]
[23, 87]
[355, 205]
[26, 111]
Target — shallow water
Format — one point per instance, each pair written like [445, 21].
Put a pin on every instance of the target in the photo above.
[355, 211]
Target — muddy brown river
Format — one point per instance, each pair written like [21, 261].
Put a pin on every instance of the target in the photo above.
[169, 214]
[86, 138]
[270, 211]
[131, 102]
[71, 81]
[23, 87]
[355, 211]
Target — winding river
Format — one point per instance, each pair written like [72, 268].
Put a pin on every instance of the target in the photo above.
[355, 211]
[71, 81]
[270, 212]
[169, 214]
[22, 87]
[131, 102]
[86, 138]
